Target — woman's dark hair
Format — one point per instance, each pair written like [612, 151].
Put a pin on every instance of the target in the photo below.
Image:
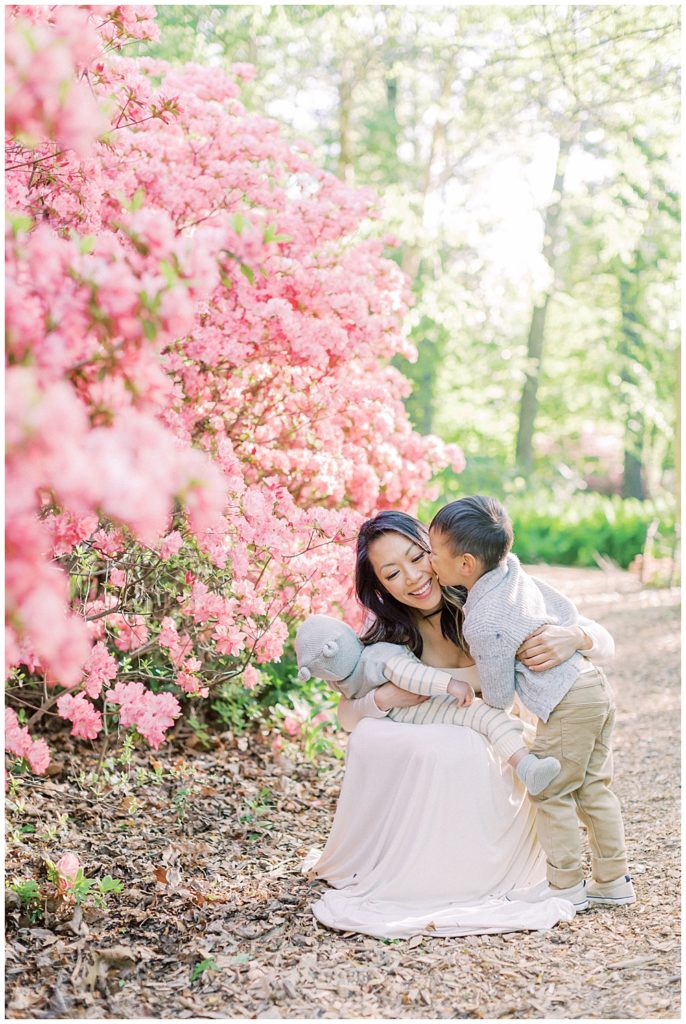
[393, 622]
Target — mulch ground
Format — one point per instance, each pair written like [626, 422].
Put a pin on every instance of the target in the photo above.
[214, 918]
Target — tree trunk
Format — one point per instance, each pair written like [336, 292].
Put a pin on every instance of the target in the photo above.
[633, 484]
[346, 169]
[394, 128]
[412, 254]
[536, 337]
[677, 435]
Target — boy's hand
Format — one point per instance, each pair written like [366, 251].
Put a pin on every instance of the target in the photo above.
[462, 692]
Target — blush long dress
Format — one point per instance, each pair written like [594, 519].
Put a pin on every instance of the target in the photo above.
[431, 831]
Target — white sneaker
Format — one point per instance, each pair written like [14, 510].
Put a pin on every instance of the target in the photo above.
[619, 893]
[575, 894]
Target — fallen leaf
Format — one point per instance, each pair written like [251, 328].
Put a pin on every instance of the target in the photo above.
[638, 961]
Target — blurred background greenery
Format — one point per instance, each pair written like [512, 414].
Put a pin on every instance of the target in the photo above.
[528, 161]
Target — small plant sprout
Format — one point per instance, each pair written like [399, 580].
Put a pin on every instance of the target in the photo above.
[209, 964]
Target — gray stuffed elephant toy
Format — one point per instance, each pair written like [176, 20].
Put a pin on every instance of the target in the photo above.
[329, 649]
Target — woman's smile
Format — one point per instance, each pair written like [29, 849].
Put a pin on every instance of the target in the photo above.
[425, 589]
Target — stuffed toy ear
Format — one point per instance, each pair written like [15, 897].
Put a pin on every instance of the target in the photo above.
[304, 674]
[329, 648]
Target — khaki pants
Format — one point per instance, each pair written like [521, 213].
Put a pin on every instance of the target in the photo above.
[578, 735]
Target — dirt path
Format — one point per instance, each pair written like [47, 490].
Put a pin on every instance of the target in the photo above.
[209, 855]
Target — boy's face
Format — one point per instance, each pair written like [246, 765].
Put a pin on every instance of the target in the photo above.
[452, 570]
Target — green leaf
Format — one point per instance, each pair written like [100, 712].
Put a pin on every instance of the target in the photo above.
[238, 223]
[51, 870]
[240, 958]
[168, 272]
[109, 884]
[27, 890]
[19, 222]
[210, 964]
[149, 330]
[86, 243]
[270, 235]
[137, 199]
[247, 272]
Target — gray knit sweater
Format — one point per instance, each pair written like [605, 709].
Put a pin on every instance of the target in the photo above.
[502, 609]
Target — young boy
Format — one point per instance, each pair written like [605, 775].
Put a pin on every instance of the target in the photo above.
[331, 650]
[471, 540]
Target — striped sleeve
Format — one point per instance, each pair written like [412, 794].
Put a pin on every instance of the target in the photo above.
[411, 675]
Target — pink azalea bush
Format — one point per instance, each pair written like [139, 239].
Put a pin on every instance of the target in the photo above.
[200, 409]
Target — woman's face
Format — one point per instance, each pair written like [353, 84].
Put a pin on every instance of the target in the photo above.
[404, 570]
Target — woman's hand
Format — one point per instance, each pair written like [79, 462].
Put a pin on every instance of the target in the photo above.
[390, 696]
[551, 645]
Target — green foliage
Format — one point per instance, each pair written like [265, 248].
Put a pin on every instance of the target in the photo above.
[279, 696]
[254, 814]
[27, 890]
[236, 707]
[209, 964]
[109, 884]
[95, 889]
[555, 523]
[574, 532]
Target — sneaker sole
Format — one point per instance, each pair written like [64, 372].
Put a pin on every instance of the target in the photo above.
[577, 906]
[611, 901]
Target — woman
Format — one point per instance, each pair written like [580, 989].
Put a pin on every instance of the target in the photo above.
[431, 831]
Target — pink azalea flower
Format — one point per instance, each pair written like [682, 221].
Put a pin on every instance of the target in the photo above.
[171, 545]
[67, 868]
[117, 578]
[86, 719]
[291, 725]
[251, 677]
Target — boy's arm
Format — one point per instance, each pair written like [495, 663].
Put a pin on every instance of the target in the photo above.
[411, 675]
[497, 677]
[495, 659]
[494, 654]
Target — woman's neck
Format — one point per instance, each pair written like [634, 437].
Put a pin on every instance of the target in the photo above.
[438, 650]
[430, 615]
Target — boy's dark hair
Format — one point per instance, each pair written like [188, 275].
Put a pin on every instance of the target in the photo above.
[477, 526]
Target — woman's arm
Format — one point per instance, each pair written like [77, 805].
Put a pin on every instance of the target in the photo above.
[376, 704]
[551, 645]
[602, 646]
[351, 711]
